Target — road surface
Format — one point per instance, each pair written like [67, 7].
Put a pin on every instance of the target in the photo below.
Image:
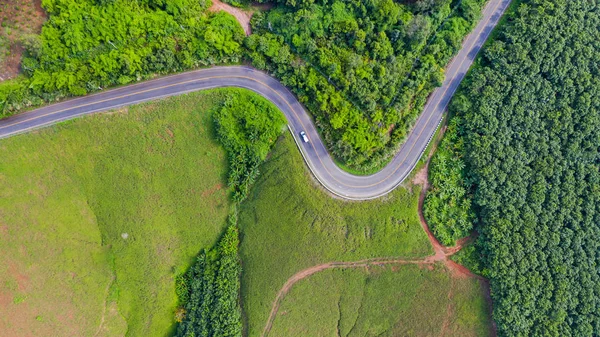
[319, 161]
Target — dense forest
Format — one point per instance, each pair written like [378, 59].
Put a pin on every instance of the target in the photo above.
[87, 45]
[210, 291]
[527, 133]
[363, 68]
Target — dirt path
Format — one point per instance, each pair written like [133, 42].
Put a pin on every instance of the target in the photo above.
[242, 16]
[330, 265]
[449, 310]
[441, 254]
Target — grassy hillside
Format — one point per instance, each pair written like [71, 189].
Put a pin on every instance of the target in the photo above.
[108, 209]
[100, 214]
[405, 300]
[288, 224]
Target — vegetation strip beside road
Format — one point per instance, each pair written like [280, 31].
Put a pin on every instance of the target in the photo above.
[521, 161]
[319, 161]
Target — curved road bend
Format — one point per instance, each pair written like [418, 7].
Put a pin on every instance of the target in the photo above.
[316, 156]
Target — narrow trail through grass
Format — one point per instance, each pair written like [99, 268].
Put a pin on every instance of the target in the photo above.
[325, 266]
[441, 254]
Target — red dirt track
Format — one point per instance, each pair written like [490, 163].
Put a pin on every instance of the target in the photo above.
[441, 254]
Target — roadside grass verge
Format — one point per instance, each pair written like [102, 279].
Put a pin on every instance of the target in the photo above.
[288, 224]
[401, 300]
[130, 196]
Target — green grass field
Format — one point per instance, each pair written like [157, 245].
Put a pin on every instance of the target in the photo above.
[289, 224]
[404, 300]
[99, 214]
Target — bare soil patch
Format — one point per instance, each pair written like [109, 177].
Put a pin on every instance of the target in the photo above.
[118, 111]
[17, 18]
[212, 190]
[420, 177]
[242, 16]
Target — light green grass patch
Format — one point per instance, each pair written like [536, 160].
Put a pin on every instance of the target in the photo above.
[403, 300]
[106, 210]
[289, 224]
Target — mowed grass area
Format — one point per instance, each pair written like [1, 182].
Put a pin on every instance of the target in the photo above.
[288, 224]
[402, 300]
[98, 215]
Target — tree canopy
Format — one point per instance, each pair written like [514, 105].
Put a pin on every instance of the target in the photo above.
[210, 291]
[528, 133]
[87, 45]
[364, 68]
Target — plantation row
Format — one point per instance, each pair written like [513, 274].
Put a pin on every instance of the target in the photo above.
[522, 157]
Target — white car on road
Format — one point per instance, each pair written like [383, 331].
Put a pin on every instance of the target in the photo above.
[304, 137]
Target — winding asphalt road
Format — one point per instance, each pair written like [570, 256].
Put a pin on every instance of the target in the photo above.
[319, 161]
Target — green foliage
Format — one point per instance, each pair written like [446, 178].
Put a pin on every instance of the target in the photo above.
[182, 286]
[212, 303]
[364, 69]
[240, 3]
[32, 44]
[531, 127]
[447, 206]
[15, 95]
[247, 126]
[87, 45]
[469, 257]
[4, 47]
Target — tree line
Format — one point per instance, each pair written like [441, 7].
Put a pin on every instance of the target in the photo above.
[524, 153]
[210, 291]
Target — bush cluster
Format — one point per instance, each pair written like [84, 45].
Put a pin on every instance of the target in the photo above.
[247, 125]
